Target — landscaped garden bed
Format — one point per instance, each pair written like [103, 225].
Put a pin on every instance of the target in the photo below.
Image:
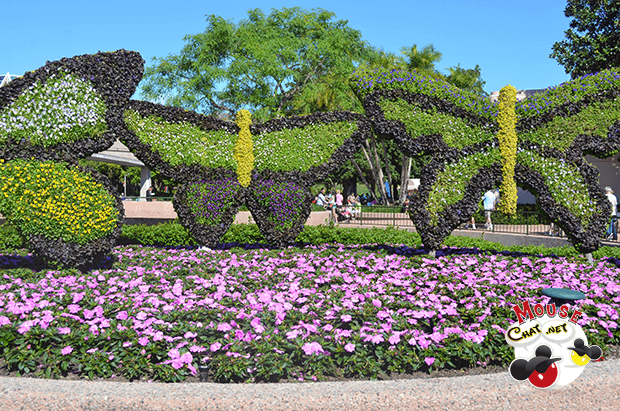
[308, 312]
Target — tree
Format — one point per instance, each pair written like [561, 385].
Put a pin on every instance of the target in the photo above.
[261, 64]
[592, 42]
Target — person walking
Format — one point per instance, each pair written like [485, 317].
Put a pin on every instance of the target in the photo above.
[488, 201]
[612, 230]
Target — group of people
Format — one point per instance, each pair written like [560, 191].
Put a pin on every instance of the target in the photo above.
[334, 202]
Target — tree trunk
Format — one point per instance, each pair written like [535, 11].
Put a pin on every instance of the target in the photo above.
[379, 171]
[388, 171]
[359, 171]
[404, 179]
[349, 186]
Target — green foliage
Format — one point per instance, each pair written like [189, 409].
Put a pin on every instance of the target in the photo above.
[591, 42]
[63, 110]
[565, 184]
[213, 149]
[55, 200]
[164, 234]
[455, 131]
[451, 183]
[10, 238]
[261, 64]
[300, 149]
[559, 133]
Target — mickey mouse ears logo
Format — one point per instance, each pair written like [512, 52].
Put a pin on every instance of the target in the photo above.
[541, 370]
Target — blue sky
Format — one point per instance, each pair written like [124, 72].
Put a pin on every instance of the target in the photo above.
[510, 41]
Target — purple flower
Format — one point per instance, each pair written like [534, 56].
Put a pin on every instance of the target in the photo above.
[215, 346]
[349, 347]
[67, 350]
[429, 361]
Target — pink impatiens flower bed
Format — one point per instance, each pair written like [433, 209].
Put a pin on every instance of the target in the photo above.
[265, 315]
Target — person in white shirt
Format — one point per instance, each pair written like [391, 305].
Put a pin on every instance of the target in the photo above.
[320, 200]
[614, 212]
[488, 201]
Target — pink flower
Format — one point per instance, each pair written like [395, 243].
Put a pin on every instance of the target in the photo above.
[121, 315]
[67, 350]
[195, 348]
[349, 347]
[215, 346]
[377, 339]
[345, 318]
[394, 339]
[64, 330]
[224, 327]
[4, 320]
[143, 341]
[312, 348]
[429, 361]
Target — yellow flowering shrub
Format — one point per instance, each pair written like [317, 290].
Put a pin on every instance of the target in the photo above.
[507, 136]
[244, 153]
[55, 200]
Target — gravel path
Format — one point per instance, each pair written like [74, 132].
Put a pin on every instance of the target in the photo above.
[598, 388]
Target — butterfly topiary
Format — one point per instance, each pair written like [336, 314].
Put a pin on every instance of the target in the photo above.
[221, 165]
[475, 145]
[50, 118]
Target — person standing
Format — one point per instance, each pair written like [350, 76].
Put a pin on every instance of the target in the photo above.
[150, 193]
[320, 199]
[609, 193]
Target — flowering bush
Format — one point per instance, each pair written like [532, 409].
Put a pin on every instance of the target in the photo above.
[507, 137]
[68, 214]
[260, 315]
[244, 153]
[62, 110]
[182, 144]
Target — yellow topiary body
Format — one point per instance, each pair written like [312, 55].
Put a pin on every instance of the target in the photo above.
[244, 152]
[507, 136]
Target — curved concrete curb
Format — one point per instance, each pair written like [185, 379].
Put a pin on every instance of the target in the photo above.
[598, 388]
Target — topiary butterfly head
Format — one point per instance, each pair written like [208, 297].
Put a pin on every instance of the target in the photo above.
[221, 165]
[538, 144]
[68, 109]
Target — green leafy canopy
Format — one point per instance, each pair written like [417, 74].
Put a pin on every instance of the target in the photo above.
[261, 64]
